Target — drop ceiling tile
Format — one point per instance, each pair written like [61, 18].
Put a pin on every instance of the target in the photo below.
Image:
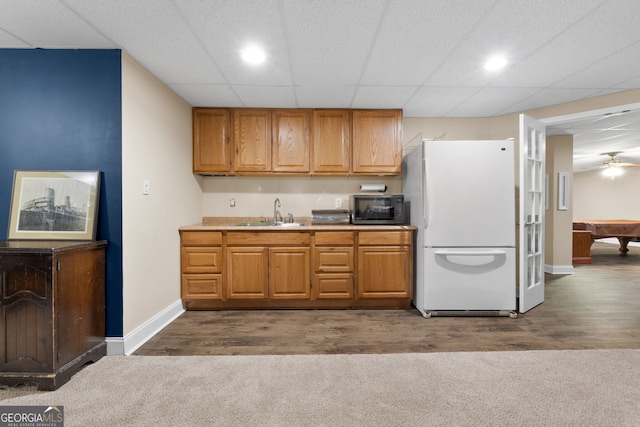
[160, 41]
[543, 97]
[50, 24]
[604, 30]
[9, 41]
[325, 96]
[410, 44]
[633, 83]
[203, 95]
[225, 31]
[436, 101]
[329, 41]
[382, 96]
[266, 96]
[488, 102]
[616, 70]
[515, 32]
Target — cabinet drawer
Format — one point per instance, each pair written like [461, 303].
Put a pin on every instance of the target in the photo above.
[333, 285]
[201, 260]
[334, 238]
[334, 259]
[201, 238]
[385, 238]
[202, 286]
[267, 238]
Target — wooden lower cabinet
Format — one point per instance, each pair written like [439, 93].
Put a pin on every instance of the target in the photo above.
[385, 264]
[52, 310]
[289, 273]
[305, 269]
[201, 261]
[383, 272]
[247, 273]
[333, 264]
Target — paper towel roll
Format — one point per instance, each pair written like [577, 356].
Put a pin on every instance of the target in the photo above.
[373, 187]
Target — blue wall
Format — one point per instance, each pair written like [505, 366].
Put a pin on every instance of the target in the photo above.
[62, 110]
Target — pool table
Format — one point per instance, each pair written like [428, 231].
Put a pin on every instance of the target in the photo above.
[623, 229]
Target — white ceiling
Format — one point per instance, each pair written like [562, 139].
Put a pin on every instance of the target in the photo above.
[425, 57]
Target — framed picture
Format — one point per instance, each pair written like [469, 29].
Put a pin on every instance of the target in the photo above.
[54, 205]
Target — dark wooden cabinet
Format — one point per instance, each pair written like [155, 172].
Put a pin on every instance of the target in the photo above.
[52, 310]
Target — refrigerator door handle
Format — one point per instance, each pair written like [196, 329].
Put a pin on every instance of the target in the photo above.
[425, 198]
[470, 253]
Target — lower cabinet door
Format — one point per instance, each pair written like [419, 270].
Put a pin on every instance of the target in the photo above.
[247, 272]
[384, 272]
[289, 273]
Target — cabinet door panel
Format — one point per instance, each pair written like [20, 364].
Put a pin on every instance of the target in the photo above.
[26, 313]
[290, 140]
[384, 272]
[252, 140]
[289, 273]
[331, 141]
[377, 142]
[247, 273]
[211, 145]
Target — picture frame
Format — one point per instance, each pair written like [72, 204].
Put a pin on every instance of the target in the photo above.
[54, 205]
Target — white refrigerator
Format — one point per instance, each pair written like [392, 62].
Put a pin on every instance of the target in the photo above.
[461, 195]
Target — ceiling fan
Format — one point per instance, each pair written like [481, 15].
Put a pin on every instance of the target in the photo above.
[614, 167]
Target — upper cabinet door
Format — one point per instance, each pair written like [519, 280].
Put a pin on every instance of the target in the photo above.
[377, 142]
[211, 149]
[331, 141]
[252, 140]
[291, 140]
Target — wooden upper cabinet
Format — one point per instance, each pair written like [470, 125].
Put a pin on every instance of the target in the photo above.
[211, 146]
[331, 141]
[252, 140]
[262, 141]
[291, 140]
[377, 142]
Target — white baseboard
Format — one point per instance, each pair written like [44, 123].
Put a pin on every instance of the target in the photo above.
[118, 346]
[558, 269]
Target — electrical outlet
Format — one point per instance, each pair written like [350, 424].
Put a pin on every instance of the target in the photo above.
[145, 187]
[338, 202]
[232, 202]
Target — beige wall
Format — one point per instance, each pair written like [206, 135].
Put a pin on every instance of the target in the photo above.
[156, 145]
[599, 197]
[254, 196]
[558, 223]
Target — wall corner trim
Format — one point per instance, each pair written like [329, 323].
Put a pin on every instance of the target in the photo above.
[558, 269]
[147, 330]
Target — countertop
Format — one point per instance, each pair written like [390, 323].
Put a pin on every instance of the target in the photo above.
[230, 223]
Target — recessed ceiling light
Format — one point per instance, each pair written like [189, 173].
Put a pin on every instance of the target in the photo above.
[253, 55]
[495, 63]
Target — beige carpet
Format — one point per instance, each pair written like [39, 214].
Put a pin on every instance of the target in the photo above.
[519, 388]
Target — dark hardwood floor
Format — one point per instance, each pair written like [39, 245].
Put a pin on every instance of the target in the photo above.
[598, 307]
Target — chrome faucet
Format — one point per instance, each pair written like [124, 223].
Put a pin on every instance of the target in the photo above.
[276, 205]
